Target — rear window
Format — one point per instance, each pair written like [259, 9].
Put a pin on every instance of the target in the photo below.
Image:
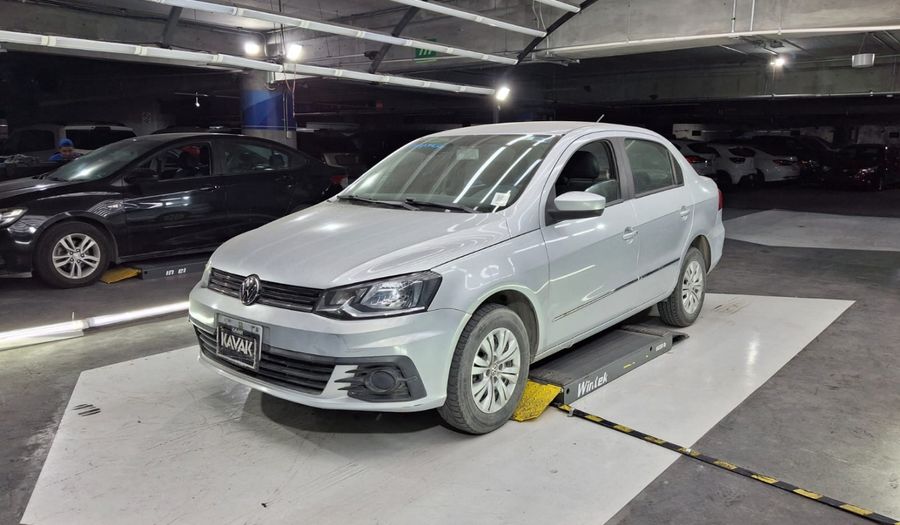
[97, 137]
[863, 153]
[741, 152]
[703, 149]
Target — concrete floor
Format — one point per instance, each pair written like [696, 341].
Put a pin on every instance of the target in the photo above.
[827, 420]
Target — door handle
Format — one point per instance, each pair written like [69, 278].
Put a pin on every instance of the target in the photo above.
[629, 234]
[684, 212]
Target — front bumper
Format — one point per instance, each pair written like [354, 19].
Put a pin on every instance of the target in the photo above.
[419, 347]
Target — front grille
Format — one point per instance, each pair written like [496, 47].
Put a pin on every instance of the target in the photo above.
[305, 372]
[270, 294]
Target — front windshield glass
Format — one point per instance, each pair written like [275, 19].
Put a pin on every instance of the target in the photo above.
[102, 162]
[481, 173]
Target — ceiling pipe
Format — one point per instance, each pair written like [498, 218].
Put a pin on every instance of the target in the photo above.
[137, 53]
[323, 27]
[472, 17]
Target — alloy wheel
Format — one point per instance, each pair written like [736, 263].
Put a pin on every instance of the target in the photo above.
[495, 370]
[692, 287]
[76, 256]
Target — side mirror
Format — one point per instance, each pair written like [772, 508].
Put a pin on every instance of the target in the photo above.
[140, 176]
[578, 205]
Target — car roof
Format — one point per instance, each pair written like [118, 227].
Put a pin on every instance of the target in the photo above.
[548, 127]
[169, 137]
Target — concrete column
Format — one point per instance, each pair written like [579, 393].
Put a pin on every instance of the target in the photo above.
[267, 111]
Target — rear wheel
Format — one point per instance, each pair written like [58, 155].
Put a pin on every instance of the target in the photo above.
[683, 306]
[488, 371]
[72, 254]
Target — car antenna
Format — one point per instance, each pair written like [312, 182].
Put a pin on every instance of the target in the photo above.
[601, 117]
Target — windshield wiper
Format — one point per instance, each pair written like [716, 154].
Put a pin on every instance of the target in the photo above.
[442, 205]
[395, 204]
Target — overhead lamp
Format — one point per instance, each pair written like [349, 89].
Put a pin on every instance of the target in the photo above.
[294, 52]
[502, 93]
[778, 62]
[252, 48]
[197, 101]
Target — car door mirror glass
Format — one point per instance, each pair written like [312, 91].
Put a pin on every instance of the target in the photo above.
[578, 204]
[140, 176]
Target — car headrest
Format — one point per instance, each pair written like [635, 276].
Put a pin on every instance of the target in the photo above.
[582, 165]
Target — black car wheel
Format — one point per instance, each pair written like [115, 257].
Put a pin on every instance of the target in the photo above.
[72, 254]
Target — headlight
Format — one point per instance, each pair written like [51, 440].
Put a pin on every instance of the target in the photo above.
[395, 296]
[10, 215]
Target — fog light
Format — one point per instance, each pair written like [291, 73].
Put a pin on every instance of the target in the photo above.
[382, 381]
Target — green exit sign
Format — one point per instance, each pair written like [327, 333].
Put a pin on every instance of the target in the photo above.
[425, 55]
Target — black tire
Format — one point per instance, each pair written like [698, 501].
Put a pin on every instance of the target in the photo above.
[43, 257]
[461, 411]
[673, 311]
[723, 180]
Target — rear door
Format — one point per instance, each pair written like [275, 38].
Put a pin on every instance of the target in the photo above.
[261, 180]
[592, 261]
[664, 209]
[179, 206]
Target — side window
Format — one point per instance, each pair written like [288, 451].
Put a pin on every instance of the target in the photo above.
[591, 169]
[651, 166]
[246, 157]
[184, 162]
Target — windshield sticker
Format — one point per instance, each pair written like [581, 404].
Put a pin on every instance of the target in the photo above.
[429, 145]
[467, 154]
[500, 199]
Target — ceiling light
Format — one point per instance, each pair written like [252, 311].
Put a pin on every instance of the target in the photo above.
[861, 60]
[502, 93]
[252, 48]
[197, 102]
[779, 62]
[294, 52]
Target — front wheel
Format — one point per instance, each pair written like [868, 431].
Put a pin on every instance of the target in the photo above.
[488, 372]
[683, 306]
[71, 254]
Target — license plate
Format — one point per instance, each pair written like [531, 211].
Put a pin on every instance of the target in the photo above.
[239, 342]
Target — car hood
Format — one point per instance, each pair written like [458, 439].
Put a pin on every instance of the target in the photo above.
[334, 244]
[16, 190]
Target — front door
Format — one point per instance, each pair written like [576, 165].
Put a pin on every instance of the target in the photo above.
[593, 260]
[260, 181]
[178, 204]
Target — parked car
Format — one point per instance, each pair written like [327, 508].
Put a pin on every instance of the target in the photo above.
[773, 163]
[438, 277]
[700, 156]
[734, 164]
[151, 196]
[813, 154]
[334, 149]
[871, 166]
[41, 140]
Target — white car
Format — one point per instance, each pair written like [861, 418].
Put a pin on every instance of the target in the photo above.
[700, 156]
[734, 164]
[439, 276]
[773, 165]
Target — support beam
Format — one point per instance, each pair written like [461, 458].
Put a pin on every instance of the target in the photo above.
[553, 27]
[323, 27]
[137, 53]
[171, 24]
[401, 25]
[472, 17]
[560, 5]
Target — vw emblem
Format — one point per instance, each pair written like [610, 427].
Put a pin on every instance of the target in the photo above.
[250, 290]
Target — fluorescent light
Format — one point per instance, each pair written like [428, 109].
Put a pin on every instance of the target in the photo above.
[252, 48]
[197, 59]
[133, 315]
[37, 334]
[560, 5]
[334, 29]
[473, 17]
[502, 93]
[294, 52]
[778, 62]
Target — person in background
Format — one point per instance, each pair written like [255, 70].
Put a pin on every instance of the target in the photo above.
[66, 152]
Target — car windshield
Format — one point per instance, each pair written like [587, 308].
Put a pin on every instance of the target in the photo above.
[871, 154]
[480, 173]
[102, 162]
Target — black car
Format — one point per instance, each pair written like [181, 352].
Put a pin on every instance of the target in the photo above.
[869, 166]
[158, 195]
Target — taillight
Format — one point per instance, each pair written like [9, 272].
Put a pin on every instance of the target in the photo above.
[721, 200]
[783, 162]
[694, 159]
